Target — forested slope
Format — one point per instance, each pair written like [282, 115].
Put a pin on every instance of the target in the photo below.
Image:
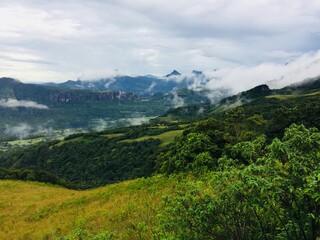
[246, 172]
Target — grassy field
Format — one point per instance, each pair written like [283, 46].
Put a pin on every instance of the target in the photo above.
[78, 139]
[114, 135]
[25, 142]
[165, 138]
[285, 97]
[126, 210]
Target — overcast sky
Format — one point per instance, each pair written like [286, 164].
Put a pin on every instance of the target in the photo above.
[43, 41]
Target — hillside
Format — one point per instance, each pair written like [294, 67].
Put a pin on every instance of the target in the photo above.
[95, 159]
[92, 159]
[141, 85]
[120, 211]
[272, 189]
[225, 172]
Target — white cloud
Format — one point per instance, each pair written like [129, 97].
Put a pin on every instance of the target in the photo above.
[275, 75]
[19, 21]
[22, 130]
[13, 103]
[66, 39]
[97, 74]
[177, 101]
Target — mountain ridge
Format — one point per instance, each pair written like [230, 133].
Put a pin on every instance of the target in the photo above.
[11, 88]
[146, 84]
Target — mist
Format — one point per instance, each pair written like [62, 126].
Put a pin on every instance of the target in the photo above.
[138, 120]
[13, 103]
[176, 100]
[100, 125]
[274, 75]
[25, 130]
[22, 131]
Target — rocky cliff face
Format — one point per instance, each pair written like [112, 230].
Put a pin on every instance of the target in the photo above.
[10, 88]
[74, 97]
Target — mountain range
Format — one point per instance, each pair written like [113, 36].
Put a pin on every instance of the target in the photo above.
[128, 150]
[60, 107]
[63, 106]
[245, 167]
[13, 89]
[147, 84]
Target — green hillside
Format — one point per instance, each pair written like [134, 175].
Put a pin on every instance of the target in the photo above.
[255, 190]
[87, 160]
[245, 172]
[120, 211]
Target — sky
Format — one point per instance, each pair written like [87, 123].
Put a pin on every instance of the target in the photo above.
[237, 42]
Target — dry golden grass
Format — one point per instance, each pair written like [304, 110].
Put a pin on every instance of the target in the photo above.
[31, 210]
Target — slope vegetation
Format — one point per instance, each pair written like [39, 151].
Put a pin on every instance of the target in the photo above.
[121, 211]
[246, 172]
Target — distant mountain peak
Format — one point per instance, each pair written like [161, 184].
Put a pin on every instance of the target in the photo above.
[173, 73]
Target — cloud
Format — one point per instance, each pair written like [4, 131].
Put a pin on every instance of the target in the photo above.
[176, 100]
[24, 130]
[100, 125]
[138, 120]
[96, 74]
[21, 131]
[66, 39]
[20, 20]
[275, 75]
[13, 103]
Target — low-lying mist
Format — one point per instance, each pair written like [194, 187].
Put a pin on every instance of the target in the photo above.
[13, 103]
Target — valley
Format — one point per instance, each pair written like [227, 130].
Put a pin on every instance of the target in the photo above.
[160, 120]
[31, 111]
[191, 172]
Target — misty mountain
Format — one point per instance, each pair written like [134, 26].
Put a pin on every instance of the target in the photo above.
[305, 86]
[147, 84]
[94, 159]
[38, 106]
[249, 95]
[13, 89]
[172, 74]
[25, 108]
[260, 95]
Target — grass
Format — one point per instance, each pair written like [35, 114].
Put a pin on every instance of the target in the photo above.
[78, 139]
[24, 142]
[114, 135]
[165, 138]
[125, 210]
[285, 97]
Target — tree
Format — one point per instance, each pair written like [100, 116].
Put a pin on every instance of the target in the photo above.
[190, 152]
[277, 196]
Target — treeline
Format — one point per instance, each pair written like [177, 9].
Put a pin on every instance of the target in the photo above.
[92, 159]
[250, 172]
[31, 175]
[93, 162]
[255, 190]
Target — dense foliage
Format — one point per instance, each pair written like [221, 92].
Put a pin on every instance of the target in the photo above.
[88, 162]
[276, 196]
[250, 172]
[31, 175]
